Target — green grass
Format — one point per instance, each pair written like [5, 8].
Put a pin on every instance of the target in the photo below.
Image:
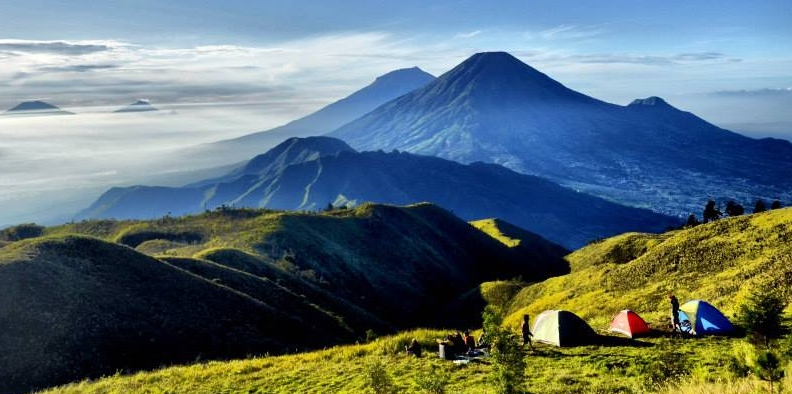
[551, 370]
[719, 262]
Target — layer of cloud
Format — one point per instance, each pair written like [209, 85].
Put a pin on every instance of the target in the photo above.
[53, 47]
[766, 92]
[79, 68]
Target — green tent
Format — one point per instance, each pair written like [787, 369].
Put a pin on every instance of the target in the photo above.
[562, 328]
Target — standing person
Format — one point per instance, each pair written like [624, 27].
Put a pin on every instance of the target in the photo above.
[674, 312]
[526, 331]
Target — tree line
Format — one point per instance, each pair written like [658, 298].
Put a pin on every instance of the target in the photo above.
[712, 211]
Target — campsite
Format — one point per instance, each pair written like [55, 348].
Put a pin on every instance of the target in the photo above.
[725, 265]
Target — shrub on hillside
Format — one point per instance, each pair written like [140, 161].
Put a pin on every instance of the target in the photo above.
[22, 231]
[433, 381]
[508, 363]
[761, 315]
[378, 379]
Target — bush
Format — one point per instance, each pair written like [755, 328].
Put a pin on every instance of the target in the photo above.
[434, 381]
[508, 363]
[22, 231]
[378, 379]
[667, 366]
[768, 367]
[761, 316]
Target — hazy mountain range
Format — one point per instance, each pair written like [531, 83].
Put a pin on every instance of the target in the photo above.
[311, 173]
[494, 108]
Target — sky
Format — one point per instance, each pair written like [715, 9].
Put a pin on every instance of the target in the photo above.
[232, 67]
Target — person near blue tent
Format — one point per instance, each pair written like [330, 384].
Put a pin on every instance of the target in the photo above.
[674, 312]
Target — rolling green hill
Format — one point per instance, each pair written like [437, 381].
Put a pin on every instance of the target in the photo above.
[91, 298]
[718, 262]
[77, 307]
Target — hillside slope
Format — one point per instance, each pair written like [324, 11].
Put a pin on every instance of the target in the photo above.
[231, 283]
[718, 262]
[494, 108]
[78, 307]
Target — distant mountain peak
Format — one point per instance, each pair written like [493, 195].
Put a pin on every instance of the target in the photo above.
[411, 72]
[294, 150]
[652, 101]
[499, 78]
[141, 105]
[36, 107]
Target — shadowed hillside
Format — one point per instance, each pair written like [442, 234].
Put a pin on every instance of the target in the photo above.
[231, 283]
[77, 307]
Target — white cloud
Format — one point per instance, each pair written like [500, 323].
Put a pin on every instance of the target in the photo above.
[469, 34]
[565, 32]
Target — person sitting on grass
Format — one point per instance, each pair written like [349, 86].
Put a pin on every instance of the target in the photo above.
[414, 348]
[470, 342]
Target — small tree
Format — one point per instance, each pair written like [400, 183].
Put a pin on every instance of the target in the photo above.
[506, 353]
[734, 209]
[692, 221]
[711, 212]
[768, 367]
[775, 204]
[761, 316]
[759, 206]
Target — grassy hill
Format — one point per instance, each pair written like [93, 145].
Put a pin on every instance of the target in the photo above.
[87, 299]
[76, 306]
[718, 262]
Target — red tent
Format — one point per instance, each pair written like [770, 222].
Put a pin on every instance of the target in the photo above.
[629, 323]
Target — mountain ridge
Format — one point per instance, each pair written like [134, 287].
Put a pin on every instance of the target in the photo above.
[647, 154]
[383, 89]
[314, 172]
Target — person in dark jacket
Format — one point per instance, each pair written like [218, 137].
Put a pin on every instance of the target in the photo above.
[526, 331]
[414, 348]
[674, 312]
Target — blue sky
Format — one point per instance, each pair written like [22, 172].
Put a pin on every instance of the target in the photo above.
[714, 58]
[727, 61]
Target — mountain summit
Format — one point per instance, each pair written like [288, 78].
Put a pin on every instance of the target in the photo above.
[384, 88]
[496, 78]
[36, 107]
[495, 108]
[138, 106]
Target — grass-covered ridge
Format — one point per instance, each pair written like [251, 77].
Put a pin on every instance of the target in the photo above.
[718, 262]
[631, 270]
[90, 298]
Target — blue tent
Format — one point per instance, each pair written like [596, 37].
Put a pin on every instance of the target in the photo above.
[704, 318]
